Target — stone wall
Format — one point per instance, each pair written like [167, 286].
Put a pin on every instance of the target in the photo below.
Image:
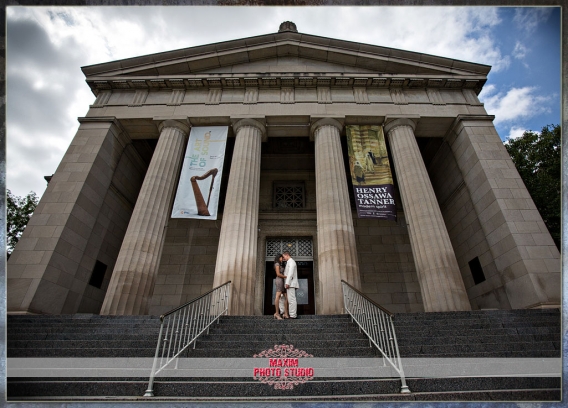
[110, 228]
[187, 265]
[466, 234]
[525, 254]
[386, 264]
[267, 180]
[50, 267]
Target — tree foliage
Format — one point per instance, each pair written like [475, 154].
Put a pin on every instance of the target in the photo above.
[538, 161]
[18, 213]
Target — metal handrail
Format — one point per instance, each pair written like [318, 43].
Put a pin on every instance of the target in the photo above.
[180, 327]
[376, 322]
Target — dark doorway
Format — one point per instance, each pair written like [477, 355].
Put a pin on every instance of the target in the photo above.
[304, 295]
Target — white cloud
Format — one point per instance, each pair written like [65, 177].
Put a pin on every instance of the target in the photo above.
[455, 32]
[515, 132]
[46, 46]
[520, 51]
[515, 104]
[528, 18]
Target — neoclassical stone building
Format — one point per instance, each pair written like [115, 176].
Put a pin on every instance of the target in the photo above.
[467, 235]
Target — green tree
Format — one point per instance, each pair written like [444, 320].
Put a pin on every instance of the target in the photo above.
[18, 213]
[538, 161]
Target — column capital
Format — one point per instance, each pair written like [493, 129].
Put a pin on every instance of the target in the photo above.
[239, 123]
[392, 122]
[181, 124]
[325, 122]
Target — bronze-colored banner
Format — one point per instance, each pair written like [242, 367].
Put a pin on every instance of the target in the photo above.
[370, 172]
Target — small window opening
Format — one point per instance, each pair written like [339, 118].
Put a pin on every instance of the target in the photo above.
[476, 271]
[98, 275]
[289, 195]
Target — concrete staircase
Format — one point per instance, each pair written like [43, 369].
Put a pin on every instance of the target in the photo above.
[332, 340]
[482, 334]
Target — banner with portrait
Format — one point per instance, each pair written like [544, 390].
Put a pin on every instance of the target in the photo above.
[200, 180]
[371, 172]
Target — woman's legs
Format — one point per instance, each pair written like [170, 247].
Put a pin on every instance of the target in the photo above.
[276, 303]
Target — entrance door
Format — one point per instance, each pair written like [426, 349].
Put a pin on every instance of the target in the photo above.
[301, 251]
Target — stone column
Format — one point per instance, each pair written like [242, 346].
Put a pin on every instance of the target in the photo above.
[236, 256]
[438, 273]
[134, 274]
[337, 251]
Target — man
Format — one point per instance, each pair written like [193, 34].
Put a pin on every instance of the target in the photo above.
[291, 284]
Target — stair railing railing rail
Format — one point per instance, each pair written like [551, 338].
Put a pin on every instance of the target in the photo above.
[180, 327]
[376, 322]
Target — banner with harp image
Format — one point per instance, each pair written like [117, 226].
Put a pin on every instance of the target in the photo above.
[200, 180]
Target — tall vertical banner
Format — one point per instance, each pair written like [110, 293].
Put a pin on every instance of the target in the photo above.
[370, 172]
[200, 180]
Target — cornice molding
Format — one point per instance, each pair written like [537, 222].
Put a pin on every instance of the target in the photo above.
[286, 80]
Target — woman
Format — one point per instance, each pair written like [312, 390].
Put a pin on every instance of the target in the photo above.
[280, 291]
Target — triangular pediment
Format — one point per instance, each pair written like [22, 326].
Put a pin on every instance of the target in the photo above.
[290, 52]
[288, 64]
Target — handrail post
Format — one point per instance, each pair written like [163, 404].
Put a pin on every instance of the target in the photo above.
[150, 390]
[403, 388]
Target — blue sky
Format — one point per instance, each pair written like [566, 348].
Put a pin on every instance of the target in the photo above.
[531, 38]
[47, 46]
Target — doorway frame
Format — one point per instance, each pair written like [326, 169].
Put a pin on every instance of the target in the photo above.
[293, 225]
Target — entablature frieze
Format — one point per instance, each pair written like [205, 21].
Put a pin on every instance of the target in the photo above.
[287, 81]
[288, 125]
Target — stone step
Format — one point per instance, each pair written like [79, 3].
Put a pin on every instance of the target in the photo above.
[201, 343]
[509, 335]
[476, 313]
[533, 395]
[277, 330]
[298, 344]
[281, 338]
[299, 318]
[461, 349]
[252, 389]
[102, 330]
[285, 323]
[475, 326]
[80, 318]
[78, 344]
[429, 331]
[82, 336]
[488, 354]
[81, 352]
[469, 339]
[316, 352]
[275, 336]
[487, 317]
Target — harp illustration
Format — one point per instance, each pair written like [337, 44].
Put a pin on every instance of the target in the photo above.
[202, 207]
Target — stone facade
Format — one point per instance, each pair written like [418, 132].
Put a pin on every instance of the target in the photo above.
[187, 265]
[286, 98]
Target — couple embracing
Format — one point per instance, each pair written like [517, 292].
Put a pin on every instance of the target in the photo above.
[286, 285]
